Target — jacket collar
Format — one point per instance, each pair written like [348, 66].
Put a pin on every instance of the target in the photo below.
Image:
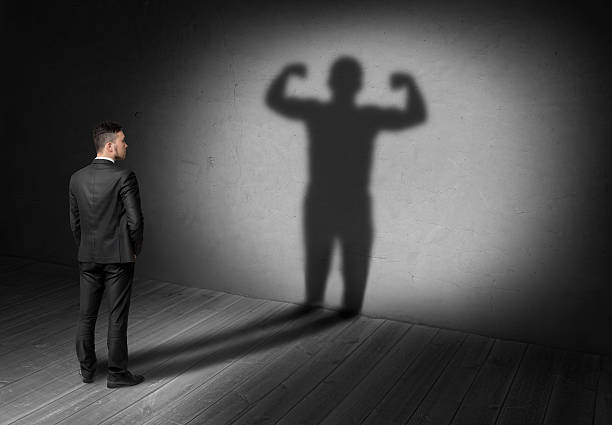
[103, 162]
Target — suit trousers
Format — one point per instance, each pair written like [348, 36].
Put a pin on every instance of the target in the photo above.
[117, 280]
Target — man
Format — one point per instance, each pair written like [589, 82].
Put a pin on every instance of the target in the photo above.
[107, 225]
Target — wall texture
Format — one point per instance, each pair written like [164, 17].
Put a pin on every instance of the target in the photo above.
[491, 216]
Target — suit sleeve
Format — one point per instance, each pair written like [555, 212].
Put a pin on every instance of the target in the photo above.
[75, 218]
[130, 196]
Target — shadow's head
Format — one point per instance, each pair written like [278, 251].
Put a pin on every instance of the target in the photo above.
[345, 78]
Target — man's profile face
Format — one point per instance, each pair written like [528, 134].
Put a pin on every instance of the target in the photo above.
[120, 146]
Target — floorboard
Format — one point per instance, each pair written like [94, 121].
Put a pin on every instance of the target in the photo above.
[304, 375]
[445, 397]
[317, 404]
[215, 358]
[603, 406]
[413, 386]
[80, 396]
[264, 388]
[528, 399]
[484, 400]
[575, 391]
[356, 406]
[255, 363]
[59, 378]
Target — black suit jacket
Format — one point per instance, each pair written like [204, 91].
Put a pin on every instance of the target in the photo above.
[105, 214]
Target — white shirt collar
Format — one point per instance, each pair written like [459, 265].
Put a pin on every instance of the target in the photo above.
[105, 157]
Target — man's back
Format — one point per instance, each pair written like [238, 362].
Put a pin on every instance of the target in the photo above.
[105, 213]
[107, 225]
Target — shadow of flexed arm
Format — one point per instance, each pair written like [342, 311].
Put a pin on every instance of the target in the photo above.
[278, 101]
[414, 111]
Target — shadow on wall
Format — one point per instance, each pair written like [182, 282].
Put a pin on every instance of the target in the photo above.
[341, 140]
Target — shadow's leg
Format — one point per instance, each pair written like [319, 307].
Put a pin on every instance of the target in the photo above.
[356, 241]
[318, 241]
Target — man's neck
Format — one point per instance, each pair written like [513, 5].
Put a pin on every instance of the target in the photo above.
[105, 157]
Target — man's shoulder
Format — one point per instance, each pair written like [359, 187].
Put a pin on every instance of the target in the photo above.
[125, 175]
[125, 172]
[80, 172]
[91, 168]
[119, 173]
[120, 170]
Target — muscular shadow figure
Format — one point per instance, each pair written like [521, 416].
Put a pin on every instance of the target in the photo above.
[337, 204]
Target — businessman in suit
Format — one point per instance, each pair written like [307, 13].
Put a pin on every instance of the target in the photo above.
[107, 224]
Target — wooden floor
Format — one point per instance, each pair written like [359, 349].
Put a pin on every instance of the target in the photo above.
[215, 358]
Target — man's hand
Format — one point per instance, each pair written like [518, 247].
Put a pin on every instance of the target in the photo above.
[297, 69]
[399, 80]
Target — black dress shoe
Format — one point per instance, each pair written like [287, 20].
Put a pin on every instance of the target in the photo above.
[86, 377]
[123, 380]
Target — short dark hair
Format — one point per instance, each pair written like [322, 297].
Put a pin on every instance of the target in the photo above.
[105, 132]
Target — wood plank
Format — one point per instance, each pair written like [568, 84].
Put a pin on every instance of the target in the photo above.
[17, 275]
[441, 403]
[269, 368]
[275, 339]
[299, 366]
[573, 398]
[33, 288]
[190, 380]
[275, 342]
[362, 400]
[27, 288]
[36, 310]
[200, 358]
[27, 297]
[158, 358]
[528, 398]
[603, 405]
[410, 389]
[298, 373]
[64, 368]
[23, 336]
[315, 405]
[27, 353]
[37, 275]
[14, 297]
[51, 321]
[63, 394]
[38, 353]
[314, 336]
[8, 263]
[163, 313]
[69, 391]
[485, 398]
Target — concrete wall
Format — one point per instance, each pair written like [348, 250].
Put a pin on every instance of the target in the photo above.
[491, 216]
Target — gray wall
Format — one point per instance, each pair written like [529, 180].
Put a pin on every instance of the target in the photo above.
[492, 216]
